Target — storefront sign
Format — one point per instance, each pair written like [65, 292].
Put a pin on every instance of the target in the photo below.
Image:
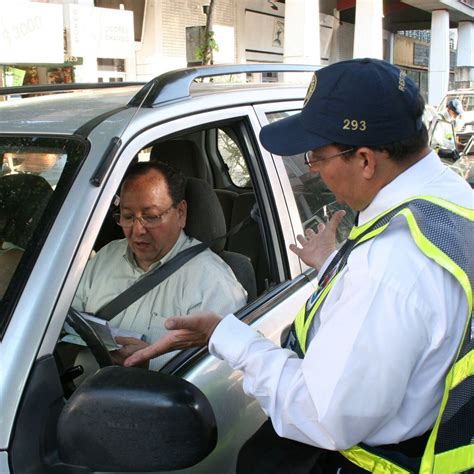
[31, 33]
[14, 76]
[104, 32]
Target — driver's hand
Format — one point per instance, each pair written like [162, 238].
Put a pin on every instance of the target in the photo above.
[183, 332]
[317, 246]
[130, 345]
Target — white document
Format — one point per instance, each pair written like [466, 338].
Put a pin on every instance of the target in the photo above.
[104, 331]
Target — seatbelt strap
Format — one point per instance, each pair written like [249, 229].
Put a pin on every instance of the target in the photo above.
[145, 284]
[154, 278]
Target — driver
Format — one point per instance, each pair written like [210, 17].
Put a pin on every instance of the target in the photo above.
[152, 216]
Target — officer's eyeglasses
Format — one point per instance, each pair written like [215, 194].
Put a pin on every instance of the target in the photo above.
[313, 161]
[149, 221]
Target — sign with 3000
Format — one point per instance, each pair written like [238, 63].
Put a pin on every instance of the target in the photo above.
[31, 33]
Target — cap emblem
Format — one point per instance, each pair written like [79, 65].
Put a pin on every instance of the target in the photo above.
[311, 89]
[401, 81]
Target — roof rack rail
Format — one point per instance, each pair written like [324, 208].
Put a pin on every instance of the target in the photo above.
[51, 88]
[175, 85]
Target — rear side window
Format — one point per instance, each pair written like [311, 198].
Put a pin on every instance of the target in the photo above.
[35, 174]
[234, 160]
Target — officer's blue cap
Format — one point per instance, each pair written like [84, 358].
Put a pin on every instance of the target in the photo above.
[361, 102]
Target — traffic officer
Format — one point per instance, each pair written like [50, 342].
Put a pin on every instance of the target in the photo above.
[377, 371]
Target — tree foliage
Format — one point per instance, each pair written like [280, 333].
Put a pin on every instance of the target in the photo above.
[208, 44]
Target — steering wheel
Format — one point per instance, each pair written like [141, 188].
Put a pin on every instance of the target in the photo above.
[90, 337]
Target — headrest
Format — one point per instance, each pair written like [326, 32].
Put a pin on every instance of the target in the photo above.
[205, 220]
[183, 155]
[23, 198]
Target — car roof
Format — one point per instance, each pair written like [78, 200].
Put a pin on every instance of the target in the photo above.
[62, 112]
[67, 111]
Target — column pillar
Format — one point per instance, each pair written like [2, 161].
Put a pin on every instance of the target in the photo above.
[464, 72]
[438, 77]
[368, 33]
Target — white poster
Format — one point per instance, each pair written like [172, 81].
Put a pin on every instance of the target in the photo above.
[81, 28]
[224, 36]
[116, 38]
[104, 32]
[31, 33]
[264, 33]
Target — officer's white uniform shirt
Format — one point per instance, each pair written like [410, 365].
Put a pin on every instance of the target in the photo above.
[389, 329]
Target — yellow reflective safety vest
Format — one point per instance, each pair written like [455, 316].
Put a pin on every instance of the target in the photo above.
[444, 232]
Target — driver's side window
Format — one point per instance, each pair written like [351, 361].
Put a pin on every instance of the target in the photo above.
[165, 206]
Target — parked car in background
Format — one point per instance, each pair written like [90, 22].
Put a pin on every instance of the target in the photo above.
[466, 96]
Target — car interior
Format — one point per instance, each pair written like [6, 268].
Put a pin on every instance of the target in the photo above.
[23, 198]
[222, 212]
[219, 199]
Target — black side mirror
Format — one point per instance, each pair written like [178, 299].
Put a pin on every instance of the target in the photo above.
[129, 420]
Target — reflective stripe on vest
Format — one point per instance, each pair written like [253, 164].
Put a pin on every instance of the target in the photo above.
[444, 232]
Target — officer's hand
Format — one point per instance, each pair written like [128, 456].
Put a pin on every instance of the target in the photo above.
[316, 247]
[130, 345]
[184, 332]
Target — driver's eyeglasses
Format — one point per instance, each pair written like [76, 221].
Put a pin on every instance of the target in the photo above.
[149, 221]
[313, 161]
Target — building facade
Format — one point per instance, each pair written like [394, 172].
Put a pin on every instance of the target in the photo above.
[126, 40]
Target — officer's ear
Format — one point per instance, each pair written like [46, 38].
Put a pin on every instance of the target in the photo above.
[366, 161]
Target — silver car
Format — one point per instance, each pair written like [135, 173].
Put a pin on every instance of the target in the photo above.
[64, 153]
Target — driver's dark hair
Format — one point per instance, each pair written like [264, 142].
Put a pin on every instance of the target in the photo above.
[402, 150]
[175, 180]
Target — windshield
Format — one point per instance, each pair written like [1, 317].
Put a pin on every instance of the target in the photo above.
[35, 174]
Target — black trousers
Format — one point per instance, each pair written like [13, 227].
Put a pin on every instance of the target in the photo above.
[267, 453]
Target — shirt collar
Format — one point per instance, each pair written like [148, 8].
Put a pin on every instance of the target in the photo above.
[408, 184]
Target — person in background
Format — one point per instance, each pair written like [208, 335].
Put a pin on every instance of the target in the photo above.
[455, 113]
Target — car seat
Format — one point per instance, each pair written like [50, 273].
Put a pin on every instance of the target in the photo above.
[23, 198]
[206, 222]
[183, 155]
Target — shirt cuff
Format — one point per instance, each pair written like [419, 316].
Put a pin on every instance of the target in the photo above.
[230, 340]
